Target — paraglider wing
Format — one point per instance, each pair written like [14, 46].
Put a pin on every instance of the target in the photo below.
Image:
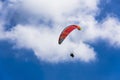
[66, 32]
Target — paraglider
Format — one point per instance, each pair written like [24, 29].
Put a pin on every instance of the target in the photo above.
[72, 55]
[66, 32]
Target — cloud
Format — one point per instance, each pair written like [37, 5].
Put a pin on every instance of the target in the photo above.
[111, 31]
[43, 41]
[56, 11]
[1, 31]
[39, 23]
[0, 5]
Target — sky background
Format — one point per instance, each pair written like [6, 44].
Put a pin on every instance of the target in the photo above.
[29, 31]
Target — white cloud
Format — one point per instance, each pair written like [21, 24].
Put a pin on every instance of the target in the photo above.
[59, 10]
[1, 5]
[42, 38]
[111, 31]
[1, 31]
[84, 52]
[43, 41]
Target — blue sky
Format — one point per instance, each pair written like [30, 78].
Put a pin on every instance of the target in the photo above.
[20, 61]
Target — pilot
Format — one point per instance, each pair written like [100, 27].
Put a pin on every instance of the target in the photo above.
[72, 55]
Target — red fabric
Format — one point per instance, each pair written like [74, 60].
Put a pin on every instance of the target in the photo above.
[65, 32]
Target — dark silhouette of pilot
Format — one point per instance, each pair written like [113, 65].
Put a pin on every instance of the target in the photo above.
[72, 55]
